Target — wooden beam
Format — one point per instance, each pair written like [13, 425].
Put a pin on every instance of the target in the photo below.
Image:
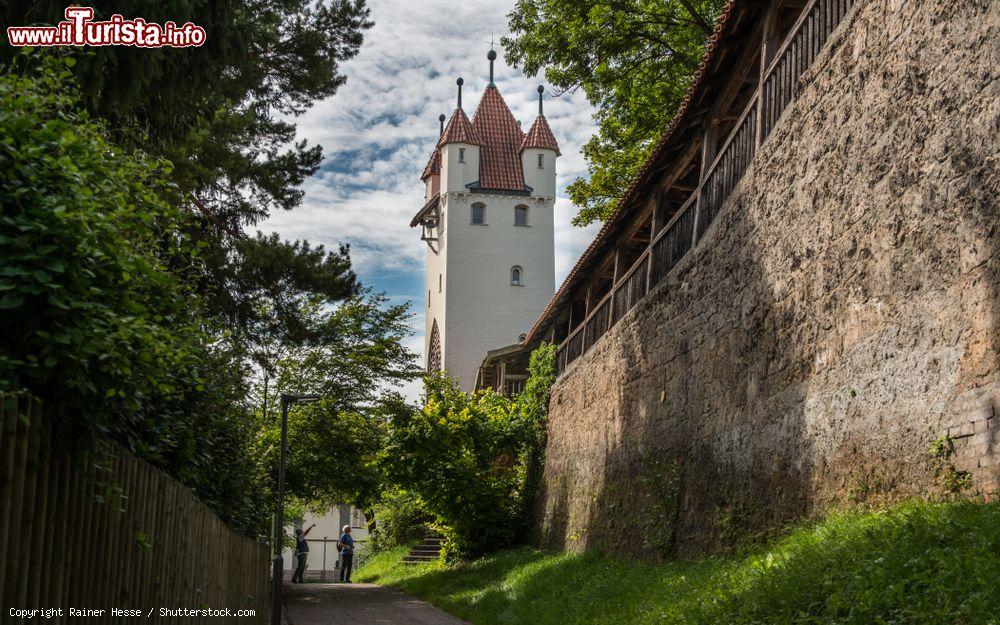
[708, 146]
[769, 44]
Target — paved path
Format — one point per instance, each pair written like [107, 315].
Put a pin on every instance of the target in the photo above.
[358, 604]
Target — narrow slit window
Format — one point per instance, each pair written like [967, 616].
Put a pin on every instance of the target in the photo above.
[461, 155]
[516, 276]
[541, 161]
[520, 215]
[439, 283]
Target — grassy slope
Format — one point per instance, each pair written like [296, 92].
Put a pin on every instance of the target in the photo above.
[931, 564]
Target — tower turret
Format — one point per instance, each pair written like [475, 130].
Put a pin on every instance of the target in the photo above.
[538, 154]
[488, 223]
[459, 145]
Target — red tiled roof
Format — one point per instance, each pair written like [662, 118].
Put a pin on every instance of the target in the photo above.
[433, 165]
[621, 208]
[459, 130]
[500, 155]
[540, 136]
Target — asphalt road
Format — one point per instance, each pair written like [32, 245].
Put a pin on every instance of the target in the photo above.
[358, 604]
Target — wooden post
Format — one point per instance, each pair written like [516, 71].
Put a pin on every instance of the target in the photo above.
[710, 137]
[614, 288]
[769, 43]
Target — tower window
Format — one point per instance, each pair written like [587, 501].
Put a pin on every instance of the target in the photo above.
[439, 283]
[520, 215]
[428, 298]
[461, 155]
[541, 161]
[516, 276]
[479, 214]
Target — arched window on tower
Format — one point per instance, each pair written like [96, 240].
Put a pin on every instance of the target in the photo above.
[516, 276]
[521, 215]
[479, 214]
[434, 351]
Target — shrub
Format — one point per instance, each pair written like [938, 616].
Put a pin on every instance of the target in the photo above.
[473, 460]
[400, 518]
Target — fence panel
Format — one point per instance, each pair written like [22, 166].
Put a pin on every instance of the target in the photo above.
[110, 531]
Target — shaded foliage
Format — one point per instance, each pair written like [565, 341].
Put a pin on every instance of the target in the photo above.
[99, 319]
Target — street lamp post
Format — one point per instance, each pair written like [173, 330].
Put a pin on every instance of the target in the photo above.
[277, 571]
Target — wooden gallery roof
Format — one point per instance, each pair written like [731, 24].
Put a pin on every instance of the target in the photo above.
[739, 23]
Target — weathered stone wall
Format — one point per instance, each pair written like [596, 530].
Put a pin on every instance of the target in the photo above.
[842, 313]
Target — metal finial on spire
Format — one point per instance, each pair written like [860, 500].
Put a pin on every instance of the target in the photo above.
[459, 82]
[441, 119]
[541, 90]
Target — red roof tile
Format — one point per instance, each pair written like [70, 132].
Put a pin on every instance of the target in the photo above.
[433, 167]
[459, 130]
[540, 136]
[500, 155]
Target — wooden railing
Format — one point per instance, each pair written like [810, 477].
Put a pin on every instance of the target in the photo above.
[733, 160]
[630, 289]
[598, 323]
[778, 85]
[808, 36]
[111, 531]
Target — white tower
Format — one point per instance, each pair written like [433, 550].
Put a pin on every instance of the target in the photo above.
[488, 223]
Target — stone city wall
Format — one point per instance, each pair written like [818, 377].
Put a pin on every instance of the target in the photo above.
[840, 316]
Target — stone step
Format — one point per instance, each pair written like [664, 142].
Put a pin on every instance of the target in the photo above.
[428, 550]
[418, 560]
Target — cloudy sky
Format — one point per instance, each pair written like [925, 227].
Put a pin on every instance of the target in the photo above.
[378, 132]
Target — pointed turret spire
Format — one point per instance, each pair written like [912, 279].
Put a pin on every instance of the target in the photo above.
[492, 56]
[441, 119]
[460, 82]
[540, 135]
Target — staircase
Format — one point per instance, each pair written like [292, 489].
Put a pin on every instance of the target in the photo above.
[428, 550]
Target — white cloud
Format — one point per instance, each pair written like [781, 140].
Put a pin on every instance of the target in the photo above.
[378, 132]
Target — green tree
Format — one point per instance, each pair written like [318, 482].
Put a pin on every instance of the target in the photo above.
[634, 60]
[356, 369]
[223, 114]
[97, 320]
[220, 112]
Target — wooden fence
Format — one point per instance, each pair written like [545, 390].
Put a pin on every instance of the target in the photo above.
[777, 88]
[108, 532]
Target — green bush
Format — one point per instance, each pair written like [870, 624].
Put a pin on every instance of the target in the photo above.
[97, 300]
[400, 518]
[473, 460]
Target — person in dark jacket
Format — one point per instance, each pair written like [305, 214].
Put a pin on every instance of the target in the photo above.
[346, 545]
[301, 552]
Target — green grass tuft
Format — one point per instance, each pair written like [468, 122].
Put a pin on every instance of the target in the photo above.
[917, 563]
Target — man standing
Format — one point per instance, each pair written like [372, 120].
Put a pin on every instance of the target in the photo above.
[301, 552]
[346, 545]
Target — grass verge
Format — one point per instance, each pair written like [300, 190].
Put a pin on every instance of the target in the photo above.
[917, 563]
